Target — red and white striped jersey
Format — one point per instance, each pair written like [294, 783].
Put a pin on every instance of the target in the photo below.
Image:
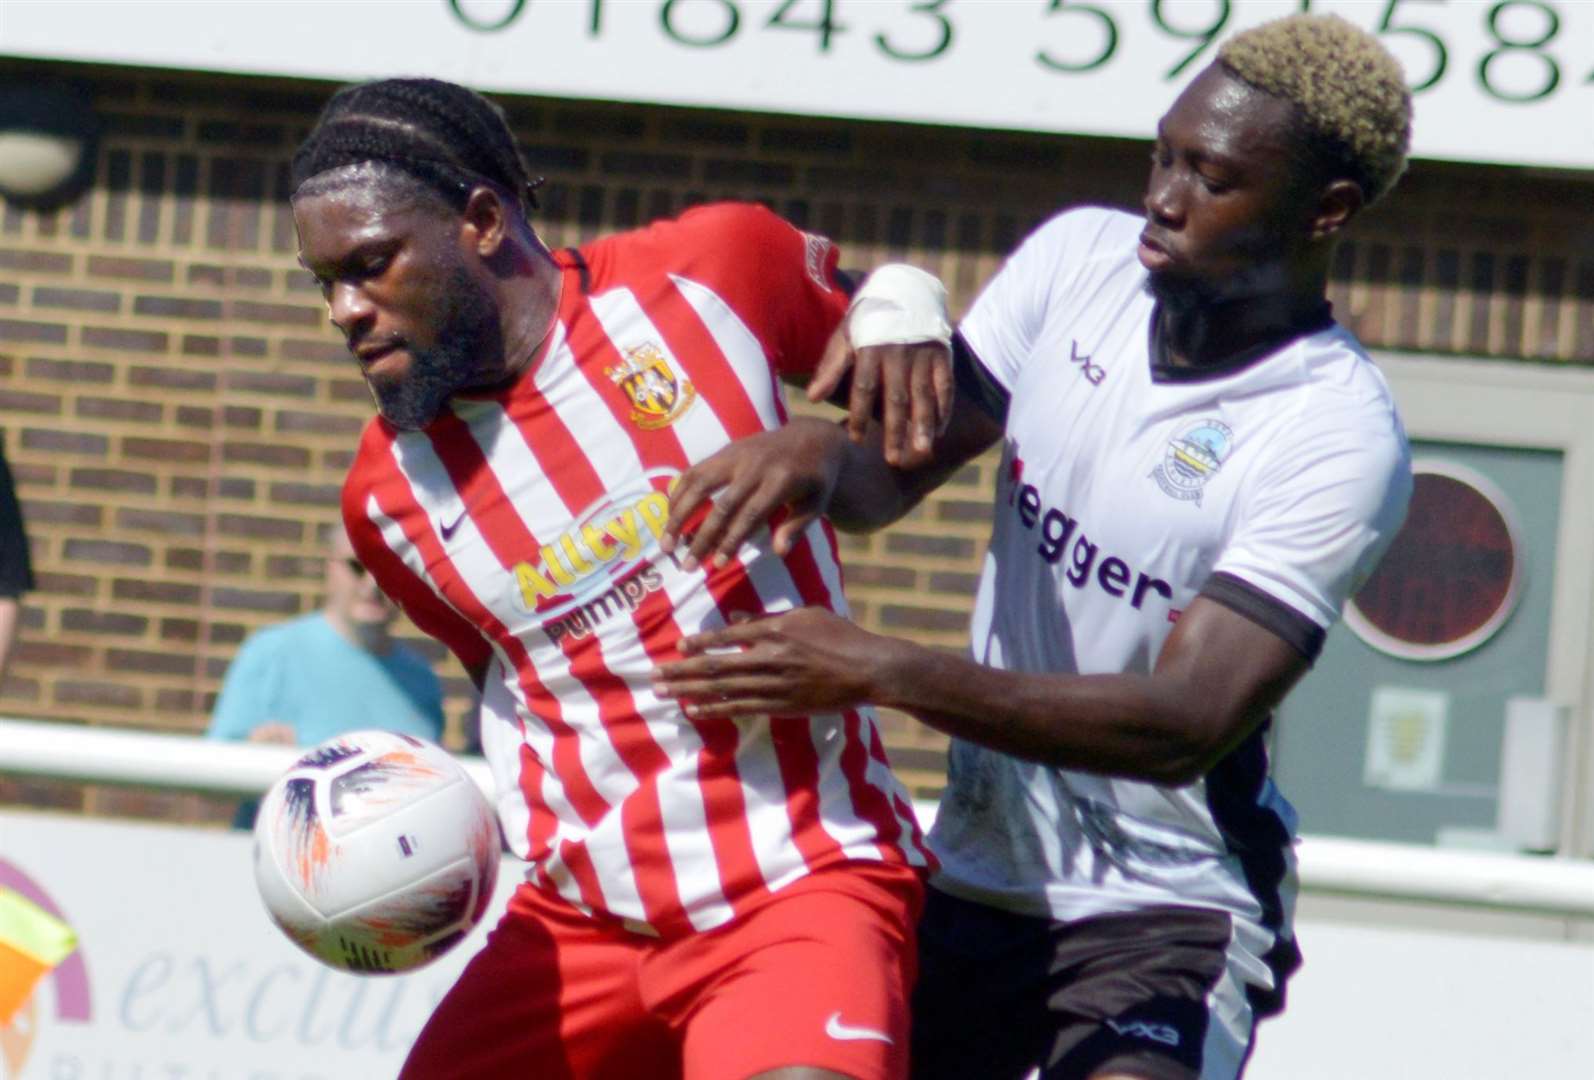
[521, 528]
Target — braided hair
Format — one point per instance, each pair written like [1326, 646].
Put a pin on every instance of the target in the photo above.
[446, 136]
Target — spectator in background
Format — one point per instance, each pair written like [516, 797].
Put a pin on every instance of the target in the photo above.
[335, 670]
[16, 572]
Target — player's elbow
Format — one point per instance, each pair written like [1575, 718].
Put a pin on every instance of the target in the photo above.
[869, 509]
[862, 520]
[1178, 767]
[1203, 739]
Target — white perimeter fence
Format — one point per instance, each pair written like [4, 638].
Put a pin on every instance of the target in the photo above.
[1420, 962]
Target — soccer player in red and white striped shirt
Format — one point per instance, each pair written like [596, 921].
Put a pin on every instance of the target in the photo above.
[709, 900]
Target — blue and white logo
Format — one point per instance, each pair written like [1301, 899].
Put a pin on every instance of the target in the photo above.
[1193, 457]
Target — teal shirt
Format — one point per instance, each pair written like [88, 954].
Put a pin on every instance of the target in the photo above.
[303, 672]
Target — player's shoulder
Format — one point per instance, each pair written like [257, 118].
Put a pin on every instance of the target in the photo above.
[1081, 251]
[1344, 378]
[1090, 232]
[710, 232]
[1345, 404]
[721, 218]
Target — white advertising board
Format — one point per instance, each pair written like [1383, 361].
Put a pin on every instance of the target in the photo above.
[1495, 80]
[180, 977]
[179, 974]
[1430, 1002]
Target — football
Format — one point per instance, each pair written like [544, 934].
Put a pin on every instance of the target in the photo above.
[376, 852]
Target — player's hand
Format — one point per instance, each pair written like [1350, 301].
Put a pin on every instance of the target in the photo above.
[274, 733]
[803, 661]
[910, 385]
[747, 482]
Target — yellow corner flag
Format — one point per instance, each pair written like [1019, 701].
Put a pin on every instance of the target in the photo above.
[32, 943]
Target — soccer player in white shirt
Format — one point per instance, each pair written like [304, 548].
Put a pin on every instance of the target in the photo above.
[1199, 466]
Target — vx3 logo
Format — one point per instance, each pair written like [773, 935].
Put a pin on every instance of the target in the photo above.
[1094, 374]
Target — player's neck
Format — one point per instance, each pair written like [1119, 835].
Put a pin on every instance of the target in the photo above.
[1214, 332]
[1218, 323]
[531, 310]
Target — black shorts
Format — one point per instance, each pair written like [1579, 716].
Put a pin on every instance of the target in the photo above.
[1152, 993]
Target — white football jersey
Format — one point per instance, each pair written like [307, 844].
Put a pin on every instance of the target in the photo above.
[1125, 490]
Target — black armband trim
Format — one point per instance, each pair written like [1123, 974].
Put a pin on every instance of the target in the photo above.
[975, 381]
[1267, 611]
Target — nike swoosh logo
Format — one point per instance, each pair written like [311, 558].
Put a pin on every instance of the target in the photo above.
[447, 528]
[847, 1033]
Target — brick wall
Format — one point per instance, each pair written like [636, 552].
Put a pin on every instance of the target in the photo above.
[179, 414]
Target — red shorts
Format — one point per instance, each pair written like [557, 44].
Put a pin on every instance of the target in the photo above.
[817, 974]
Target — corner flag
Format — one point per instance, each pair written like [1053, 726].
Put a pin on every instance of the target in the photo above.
[32, 943]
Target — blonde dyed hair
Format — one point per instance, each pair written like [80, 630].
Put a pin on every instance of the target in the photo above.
[1348, 89]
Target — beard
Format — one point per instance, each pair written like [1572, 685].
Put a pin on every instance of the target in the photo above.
[1258, 270]
[1180, 292]
[412, 400]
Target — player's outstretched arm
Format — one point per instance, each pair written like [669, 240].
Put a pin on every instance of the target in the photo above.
[808, 467]
[1218, 677]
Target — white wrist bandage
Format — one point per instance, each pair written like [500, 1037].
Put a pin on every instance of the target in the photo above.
[899, 305]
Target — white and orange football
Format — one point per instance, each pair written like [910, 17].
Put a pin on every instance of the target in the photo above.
[376, 852]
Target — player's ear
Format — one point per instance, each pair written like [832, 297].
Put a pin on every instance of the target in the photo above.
[486, 221]
[1337, 203]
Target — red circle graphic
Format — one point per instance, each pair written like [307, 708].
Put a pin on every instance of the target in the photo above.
[1452, 575]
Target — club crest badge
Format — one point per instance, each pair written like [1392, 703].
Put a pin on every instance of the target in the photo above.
[657, 396]
[1193, 457]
